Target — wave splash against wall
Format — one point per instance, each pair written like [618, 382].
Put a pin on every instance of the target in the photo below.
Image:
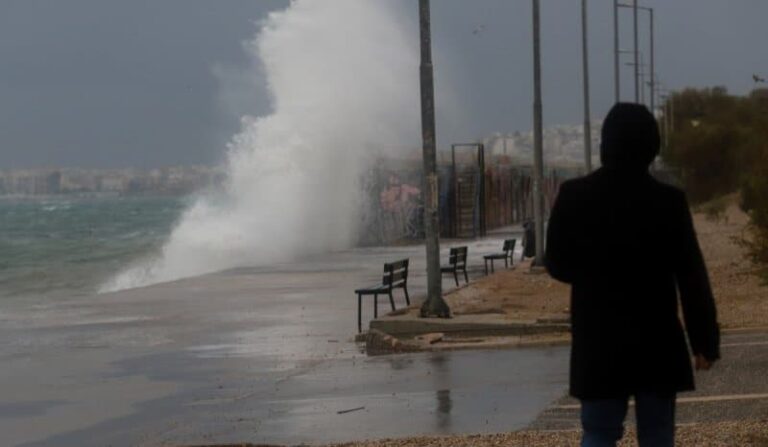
[343, 77]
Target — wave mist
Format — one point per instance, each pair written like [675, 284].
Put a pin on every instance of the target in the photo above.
[343, 79]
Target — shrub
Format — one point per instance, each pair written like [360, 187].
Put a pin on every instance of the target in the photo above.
[720, 145]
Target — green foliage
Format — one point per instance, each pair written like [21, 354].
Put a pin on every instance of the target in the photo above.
[719, 144]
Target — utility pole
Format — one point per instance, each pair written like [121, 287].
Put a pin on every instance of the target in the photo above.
[538, 157]
[637, 52]
[434, 305]
[585, 64]
[616, 71]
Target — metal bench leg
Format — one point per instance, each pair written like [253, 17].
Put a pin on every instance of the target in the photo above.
[506, 262]
[407, 298]
[375, 305]
[391, 300]
[466, 277]
[359, 313]
[456, 276]
[493, 270]
[485, 261]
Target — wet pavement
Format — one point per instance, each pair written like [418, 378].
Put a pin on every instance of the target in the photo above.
[253, 354]
[736, 388]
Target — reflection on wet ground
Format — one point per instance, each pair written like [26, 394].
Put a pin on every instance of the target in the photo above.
[258, 355]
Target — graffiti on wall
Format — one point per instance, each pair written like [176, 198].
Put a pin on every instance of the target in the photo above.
[395, 208]
[401, 208]
[395, 204]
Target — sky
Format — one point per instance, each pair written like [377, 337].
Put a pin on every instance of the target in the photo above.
[115, 83]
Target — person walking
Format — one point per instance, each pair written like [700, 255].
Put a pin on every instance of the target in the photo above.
[626, 244]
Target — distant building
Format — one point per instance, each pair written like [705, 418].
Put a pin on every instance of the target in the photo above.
[563, 145]
[171, 180]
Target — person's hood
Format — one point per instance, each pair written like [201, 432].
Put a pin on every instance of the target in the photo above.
[630, 138]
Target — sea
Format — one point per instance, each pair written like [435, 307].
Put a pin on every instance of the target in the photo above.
[68, 246]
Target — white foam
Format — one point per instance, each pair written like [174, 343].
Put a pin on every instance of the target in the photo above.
[343, 75]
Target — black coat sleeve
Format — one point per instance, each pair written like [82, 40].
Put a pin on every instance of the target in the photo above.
[561, 252]
[698, 304]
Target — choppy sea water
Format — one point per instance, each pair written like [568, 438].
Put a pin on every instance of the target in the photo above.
[68, 246]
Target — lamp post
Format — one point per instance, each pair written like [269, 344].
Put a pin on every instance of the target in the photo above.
[618, 54]
[585, 65]
[665, 109]
[434, 305]
[640, 74]
[652, 68]
[538, 158]
[637, 53]
[616, 71]
[635, 8]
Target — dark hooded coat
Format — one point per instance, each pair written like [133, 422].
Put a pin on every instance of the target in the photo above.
[626, 244]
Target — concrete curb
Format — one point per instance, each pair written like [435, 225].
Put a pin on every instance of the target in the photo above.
[467, 325]
[400, 332]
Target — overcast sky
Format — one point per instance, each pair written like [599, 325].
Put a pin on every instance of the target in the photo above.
[159, 82]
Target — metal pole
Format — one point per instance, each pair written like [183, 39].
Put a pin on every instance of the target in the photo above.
[653, 68]
[538, 158]
[637, 53]
[666, 124]
[616, 71]
[642, 80]
[434, 304]
[483, 203]
[454, 193]
[585, 64]
[672, 112]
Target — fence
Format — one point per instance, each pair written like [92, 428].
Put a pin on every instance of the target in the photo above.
[474, 197]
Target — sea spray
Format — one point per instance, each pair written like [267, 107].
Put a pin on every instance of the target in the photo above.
[343, 80]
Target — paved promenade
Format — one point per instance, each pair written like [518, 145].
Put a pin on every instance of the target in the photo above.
[735, 389]
[257, 354]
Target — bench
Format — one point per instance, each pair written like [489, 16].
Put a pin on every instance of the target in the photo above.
[395, 276]
[457, 261]
[507, 252]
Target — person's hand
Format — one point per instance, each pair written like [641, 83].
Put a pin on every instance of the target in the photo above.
[702, 364]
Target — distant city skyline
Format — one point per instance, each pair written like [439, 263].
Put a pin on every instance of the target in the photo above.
[174, 180]
[109, 83]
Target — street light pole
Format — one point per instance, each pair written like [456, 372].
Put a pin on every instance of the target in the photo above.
[616, 71]
[538, 157]
[637, 52]
[585, 64]
[665, 109]
[672, 112]
[641, 77]
[652, 68]
[636, 7]
[434, 305]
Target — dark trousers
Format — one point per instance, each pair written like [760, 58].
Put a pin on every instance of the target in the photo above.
[603, 420]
